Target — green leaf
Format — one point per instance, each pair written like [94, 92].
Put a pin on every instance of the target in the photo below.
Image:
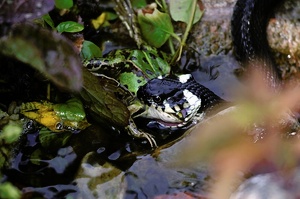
[138, 3]
[11, 133]
[63, 4]
[53, 141]
[69, 26]
[150, 62]
[48, 20]
[180, 11]
[90, 50]
[156, 27]
[111, 16]
[7, 190]
[47, 51]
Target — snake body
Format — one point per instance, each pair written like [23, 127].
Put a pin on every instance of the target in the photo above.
[174, 102]
[248, 28]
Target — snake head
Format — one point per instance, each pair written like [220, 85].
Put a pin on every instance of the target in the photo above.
[171, 101]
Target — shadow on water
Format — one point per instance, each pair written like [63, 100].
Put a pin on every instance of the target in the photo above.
[58, 172]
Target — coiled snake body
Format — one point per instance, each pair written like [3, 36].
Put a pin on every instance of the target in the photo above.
[248, 28]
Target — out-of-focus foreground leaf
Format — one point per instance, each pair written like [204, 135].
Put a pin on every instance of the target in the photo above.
[20, 10]
[260, 129]
[7, 190]
[46, 51]
[103, 102]
[180, 10]
[10, 133]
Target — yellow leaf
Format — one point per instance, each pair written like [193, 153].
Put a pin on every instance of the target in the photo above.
[99, 21]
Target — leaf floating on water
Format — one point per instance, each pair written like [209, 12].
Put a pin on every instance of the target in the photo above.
[70, 114]
[20, 10]
[51, 140]
[47, 51]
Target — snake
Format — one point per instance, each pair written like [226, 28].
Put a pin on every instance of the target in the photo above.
[174, 102]
[248, 28]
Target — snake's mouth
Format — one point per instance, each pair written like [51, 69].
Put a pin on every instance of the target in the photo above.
[164, 118]
[166, 124]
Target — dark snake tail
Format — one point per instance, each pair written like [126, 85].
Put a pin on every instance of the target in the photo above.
[248, 28]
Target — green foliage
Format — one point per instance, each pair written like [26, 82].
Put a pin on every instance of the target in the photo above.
[8, 191]
[133, 67]
[180, 10]
[154, 63]
[49, 21]
[52, 140]
[10, 133]
[156, 27]
[63, 4]
[90, 50]
[188, 12]
[111, 16]
[69, 26]
[138, 3]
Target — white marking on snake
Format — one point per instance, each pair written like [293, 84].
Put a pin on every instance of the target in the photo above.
[176, 108]
[168, 109]
[184, 78]
[186, 105]
[192, 99]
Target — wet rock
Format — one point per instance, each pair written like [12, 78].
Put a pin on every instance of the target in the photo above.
[99, 179]
[270, 185]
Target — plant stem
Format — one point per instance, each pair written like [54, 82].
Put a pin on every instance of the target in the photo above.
[190, 23]
[171, 46]
[177, 55]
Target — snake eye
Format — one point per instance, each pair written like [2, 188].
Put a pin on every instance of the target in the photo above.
[156, 99]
